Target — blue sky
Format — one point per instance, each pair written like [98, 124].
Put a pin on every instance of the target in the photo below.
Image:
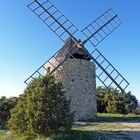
[25, 42]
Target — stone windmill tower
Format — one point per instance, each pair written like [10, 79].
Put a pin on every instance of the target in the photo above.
[79, 63]
[78, 76]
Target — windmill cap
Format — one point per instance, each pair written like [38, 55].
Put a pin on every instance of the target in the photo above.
[69, 48]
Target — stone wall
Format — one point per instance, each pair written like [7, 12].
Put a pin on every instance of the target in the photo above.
[78, 76]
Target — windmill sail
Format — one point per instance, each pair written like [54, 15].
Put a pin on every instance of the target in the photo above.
[53, 18]
[61, 26]
[106, 72]
[59, 58]
[95, 33]
[99, 29]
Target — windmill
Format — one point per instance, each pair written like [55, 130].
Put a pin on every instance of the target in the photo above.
[78, 62]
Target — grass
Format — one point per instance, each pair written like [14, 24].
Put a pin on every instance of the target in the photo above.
[2, 133]
[106, 117]
[118, 115]
[105, 127]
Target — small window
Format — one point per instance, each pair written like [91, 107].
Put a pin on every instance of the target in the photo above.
[48, 69]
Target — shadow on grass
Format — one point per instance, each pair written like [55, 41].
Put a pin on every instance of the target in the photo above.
[92, 135]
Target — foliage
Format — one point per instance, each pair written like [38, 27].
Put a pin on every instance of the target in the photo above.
[115, 101]
[6, 104]
[42, 108]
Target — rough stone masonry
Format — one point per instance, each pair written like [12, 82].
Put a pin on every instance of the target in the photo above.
[78, 76]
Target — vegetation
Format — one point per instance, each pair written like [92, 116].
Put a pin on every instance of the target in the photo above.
[6, 104]
[42, 109]
[43, 113]
[115, 102]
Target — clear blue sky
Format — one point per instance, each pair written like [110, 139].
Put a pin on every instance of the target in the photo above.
[25, 42]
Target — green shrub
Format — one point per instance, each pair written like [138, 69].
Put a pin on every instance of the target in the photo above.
[42, 109]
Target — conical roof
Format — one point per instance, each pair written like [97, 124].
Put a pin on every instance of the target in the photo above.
[69, 47]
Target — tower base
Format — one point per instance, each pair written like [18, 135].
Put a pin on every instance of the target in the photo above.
[78, 77]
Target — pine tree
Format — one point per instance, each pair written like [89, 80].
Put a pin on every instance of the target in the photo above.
[42, 109]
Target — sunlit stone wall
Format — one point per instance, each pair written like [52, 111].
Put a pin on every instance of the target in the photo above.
[78, 77]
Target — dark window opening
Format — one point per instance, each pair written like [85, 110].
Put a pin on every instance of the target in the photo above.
[48, 69]
[72, 80]
[80, 56]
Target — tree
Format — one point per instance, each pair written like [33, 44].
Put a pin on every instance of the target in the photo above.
[131, 103]
[113, 101]
[42, 108]
[102, 99]
[6, 104]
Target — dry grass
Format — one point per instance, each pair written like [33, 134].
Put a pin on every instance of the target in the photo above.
[105, 127]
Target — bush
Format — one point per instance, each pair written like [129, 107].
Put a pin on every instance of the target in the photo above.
[42, 109]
